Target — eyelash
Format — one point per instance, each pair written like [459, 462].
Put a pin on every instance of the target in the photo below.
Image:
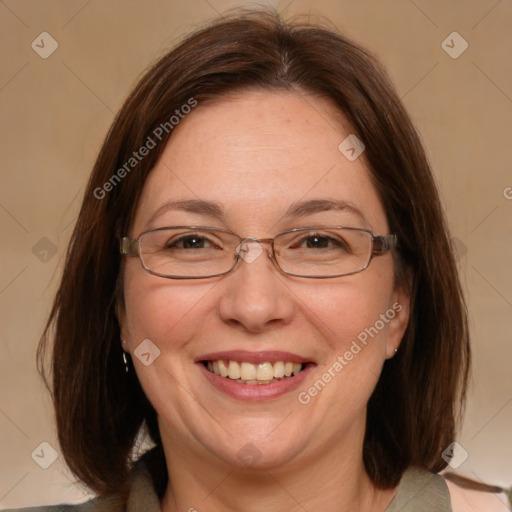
[172, 243]
[333, 242]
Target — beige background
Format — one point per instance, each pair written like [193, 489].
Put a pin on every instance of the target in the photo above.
[55, 113]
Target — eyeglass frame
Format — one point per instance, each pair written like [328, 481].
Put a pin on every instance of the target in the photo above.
[380, 244]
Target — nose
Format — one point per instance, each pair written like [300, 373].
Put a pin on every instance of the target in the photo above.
[254, 295]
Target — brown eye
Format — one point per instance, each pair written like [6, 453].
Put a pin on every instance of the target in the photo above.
[319, 241]
[191, 241]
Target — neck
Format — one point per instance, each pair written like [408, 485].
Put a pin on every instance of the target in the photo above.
[335, 481]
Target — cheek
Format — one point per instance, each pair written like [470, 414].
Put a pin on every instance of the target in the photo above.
[347, 309]
[168, 314]
[353, 323]
[162, 310]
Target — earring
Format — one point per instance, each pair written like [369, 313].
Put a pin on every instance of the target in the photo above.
[126, 368]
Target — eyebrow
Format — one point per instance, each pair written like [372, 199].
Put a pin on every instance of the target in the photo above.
[199, 206]
[295, 210]
[303, 208]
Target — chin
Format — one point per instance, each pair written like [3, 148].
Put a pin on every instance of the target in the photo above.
[267, 452]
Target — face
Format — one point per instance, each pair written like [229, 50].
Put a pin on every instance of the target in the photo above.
[255, 155]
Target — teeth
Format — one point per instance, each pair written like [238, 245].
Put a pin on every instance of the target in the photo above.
[223, 369]
[265, 371]
[248, 373]
[279, 370]
[234, 370]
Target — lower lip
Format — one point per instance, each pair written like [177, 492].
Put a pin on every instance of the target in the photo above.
[255, 392]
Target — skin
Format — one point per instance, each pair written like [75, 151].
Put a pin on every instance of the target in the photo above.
[257, 153]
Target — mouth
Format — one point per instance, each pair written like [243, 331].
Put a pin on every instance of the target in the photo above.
[245, 372]
[254, 376]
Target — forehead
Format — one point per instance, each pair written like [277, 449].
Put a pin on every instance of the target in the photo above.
[255, 154]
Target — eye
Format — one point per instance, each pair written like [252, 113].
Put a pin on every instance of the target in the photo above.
[320, 241]
[190, 241]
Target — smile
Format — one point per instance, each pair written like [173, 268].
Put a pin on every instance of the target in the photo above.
[244, 372]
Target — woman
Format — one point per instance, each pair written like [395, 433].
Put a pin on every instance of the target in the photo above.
[261, 278]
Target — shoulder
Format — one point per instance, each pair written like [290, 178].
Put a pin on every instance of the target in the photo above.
[469, 500]
[422, 491]
[108, 504]
[80, 507]
[141, 495]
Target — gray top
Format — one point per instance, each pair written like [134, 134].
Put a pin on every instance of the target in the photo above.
[418, 491]
[421, 491]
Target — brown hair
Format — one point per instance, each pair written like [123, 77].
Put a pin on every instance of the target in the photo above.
[413, 412]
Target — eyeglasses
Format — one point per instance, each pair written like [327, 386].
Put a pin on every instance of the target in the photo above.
[197, 252]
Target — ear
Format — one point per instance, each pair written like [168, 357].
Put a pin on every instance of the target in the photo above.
[399, 313]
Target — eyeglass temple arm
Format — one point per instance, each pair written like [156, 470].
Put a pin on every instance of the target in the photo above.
[383, 243]
[128, 246]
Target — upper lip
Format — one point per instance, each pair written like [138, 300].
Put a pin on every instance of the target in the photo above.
[270, 356]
